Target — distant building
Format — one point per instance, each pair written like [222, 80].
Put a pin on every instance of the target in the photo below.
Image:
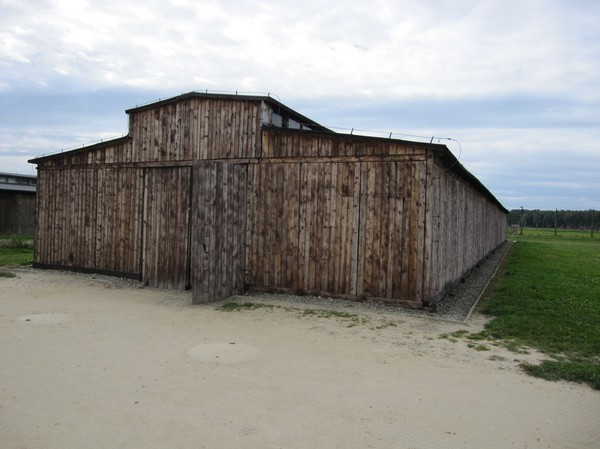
[17, 203]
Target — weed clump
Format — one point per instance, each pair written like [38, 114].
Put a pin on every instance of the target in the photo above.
[237, 306]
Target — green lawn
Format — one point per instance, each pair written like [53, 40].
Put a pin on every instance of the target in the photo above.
[13, 250]
[548, 298]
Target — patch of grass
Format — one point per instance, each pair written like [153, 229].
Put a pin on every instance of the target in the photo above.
[386, 324]
[455, 336]
[460, 333]
[549, 298]
[449, 337]
[11, 257]
[478, 347]
[583, 372]
[352, 319]
[497, 358]
[16, 241]
[7, 274]
[478, 336]
[513, 346]
[237, 306]
[326, 313]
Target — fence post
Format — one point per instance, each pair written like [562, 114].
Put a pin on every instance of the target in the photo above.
[521, 222]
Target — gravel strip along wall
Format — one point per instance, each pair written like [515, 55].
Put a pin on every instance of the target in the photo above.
[457, 304]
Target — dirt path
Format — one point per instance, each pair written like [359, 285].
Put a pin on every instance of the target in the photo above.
[87, 365]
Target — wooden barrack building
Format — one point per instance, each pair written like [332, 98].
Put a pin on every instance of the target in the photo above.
[226, 193]
[17, 204]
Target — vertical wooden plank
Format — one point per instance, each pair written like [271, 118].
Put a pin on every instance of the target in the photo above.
[263, 215]
[431, 279]
[421, 182]
[251, 222]
[361, 247]
[405, 227]
[399, 235]
[383, 205]
[55, 218]
[218, 221]
[292, 214]
[413, 243]
[308, 210]
[390, 246]
[339, 230]
[275, 223]
[370, 223]
[100, 200]
[90, 192]
[166, 230]
[269, 192]
[136, 230]
[327, 227]
[354, 267]
[59, 218]
[316, 248]
[305, 229]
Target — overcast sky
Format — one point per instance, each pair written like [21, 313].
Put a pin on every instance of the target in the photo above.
[516, 83]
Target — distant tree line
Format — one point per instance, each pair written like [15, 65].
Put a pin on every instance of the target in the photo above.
[563, 219]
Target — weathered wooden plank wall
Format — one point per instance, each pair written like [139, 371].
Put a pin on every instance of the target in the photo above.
[392, 230]
[17, 212]
[345, 229]
[166, 236]
[329, 227]
[272, 241]
[326, 214]
[218, 230]
[196, 128]
[338, 225]
[90, 219]
[465, 229]
[302, 144]
[302, 227]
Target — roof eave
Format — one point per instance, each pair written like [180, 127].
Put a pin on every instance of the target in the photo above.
[92, 147]
[453, 165]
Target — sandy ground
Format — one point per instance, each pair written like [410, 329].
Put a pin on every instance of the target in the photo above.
[89, 363]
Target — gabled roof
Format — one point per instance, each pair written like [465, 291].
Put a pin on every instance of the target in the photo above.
[275, 105]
